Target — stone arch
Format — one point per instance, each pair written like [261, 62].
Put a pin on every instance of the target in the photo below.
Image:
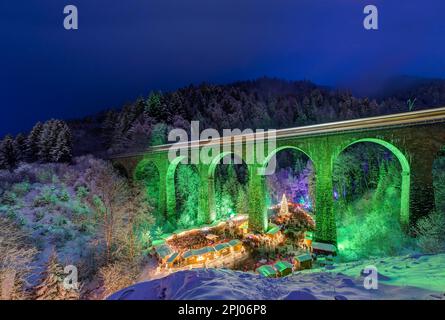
[406, 172]
[258, 220]
[276, 150]
[170, 187]
[217, 160]
[211, 179]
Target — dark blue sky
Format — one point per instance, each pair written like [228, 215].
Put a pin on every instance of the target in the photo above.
[124, 49]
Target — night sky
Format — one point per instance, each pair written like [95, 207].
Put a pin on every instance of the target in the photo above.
[124, 49]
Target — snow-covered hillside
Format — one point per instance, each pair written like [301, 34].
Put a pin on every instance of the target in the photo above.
[408, 277]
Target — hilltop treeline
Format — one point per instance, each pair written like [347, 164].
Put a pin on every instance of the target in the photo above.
[47, 142]
[260, 104]
[263, 103]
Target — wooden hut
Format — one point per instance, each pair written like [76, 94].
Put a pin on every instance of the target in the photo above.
[283, 268]
[189, 257]
[308, 238]
[163, 252]
[204, 254]
[236, 245]
[273, 231]
[303, 261]
[223, 249]
[325, 249]
[267, 271]
[173, 260]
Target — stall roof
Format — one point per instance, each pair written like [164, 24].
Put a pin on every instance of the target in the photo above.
[221, 246]
[324, 246]
[203, 250]
[234, 242]
[303, 257]
[273, 229]
[309, 235]
[173, 257]
[187, 254]
[282, 265]
[267, 270]
[163, 250]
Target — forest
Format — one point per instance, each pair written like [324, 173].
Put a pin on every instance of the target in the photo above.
[62, 202]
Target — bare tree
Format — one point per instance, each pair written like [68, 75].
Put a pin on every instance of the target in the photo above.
[15, 260]
[109, 194]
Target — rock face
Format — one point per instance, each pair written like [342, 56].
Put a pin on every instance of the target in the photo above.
[221, 284]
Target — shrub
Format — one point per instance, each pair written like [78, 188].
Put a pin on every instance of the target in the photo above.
[21, 189]
[21, 220]
[64, 195]
[47, 196]
[11, 214]
[60, 221]
[430, 231]
[39, 215]
[80, 210]
[60, 235]
[44, 175]
[9, 198]
[117, 276]
[185, 222]
[146, 239]
[157, 233]
[81, 192]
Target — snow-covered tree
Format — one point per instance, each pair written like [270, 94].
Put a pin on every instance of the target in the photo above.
[50, 142]
[62, 149]
[154, 108]
[8, 153]
[47, 140]
[20, 146]
[32, 142]
[51, 286]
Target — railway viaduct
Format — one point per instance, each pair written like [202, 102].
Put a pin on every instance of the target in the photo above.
[415, 139]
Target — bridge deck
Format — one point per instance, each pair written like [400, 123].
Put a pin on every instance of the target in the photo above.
[380, 122]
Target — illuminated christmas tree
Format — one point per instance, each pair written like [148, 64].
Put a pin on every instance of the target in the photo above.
[284, 206]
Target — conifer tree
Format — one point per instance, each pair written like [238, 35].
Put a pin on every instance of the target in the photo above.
[32, 142]
[47, 141]
[61, 150]
[8, 153]
[154, 106]
[52, 286]
[20, 146]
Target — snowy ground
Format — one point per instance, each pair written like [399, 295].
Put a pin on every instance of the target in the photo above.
[409, 277]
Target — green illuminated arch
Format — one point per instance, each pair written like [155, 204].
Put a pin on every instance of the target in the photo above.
[275, 151]
[217, 160]
[259, 208]
[406, 172]
[170, 188]
[211, 183]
